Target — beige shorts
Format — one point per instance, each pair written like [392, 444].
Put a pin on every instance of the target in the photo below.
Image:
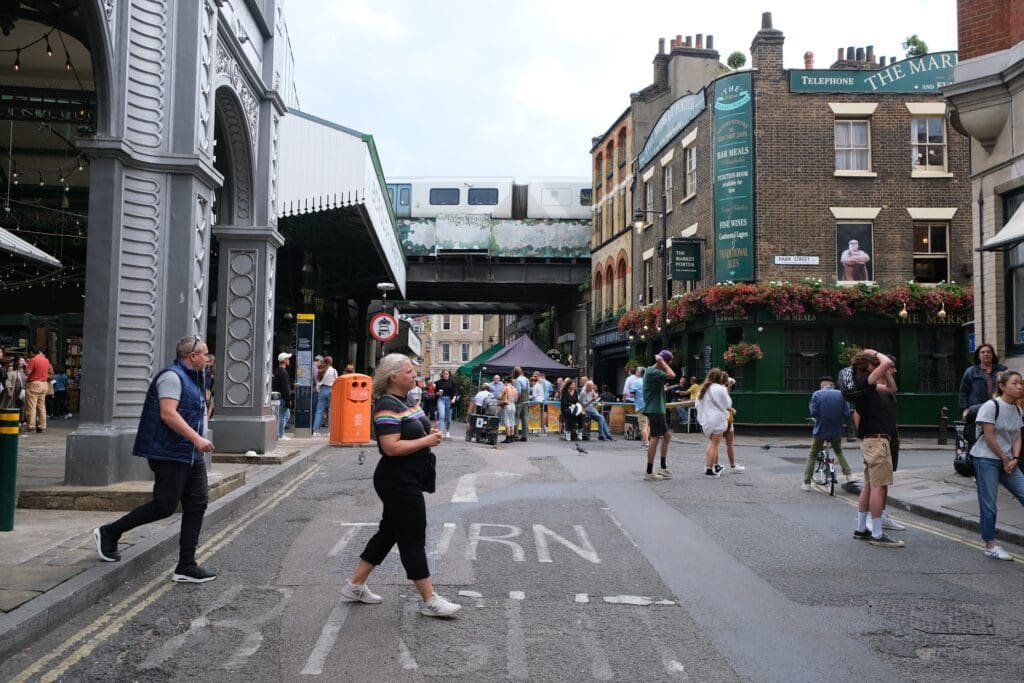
[877, 462]
[642, 421]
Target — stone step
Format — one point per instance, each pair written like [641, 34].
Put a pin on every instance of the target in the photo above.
[120, 497]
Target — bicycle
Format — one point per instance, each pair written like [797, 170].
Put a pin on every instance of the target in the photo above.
[825, 467]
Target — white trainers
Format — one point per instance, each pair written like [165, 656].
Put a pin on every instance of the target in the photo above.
[665, 473]
[997, 553]
[284, 438]
[438, 606]
[360, 593]
[890, 523]
[654, 476]
[447, 435]
[737, 468]
[805, 487]
[315, 434]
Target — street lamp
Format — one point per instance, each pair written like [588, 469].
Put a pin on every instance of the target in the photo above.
[638, 223]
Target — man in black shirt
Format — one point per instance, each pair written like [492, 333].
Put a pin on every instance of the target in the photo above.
[875, 379]
[282, 384]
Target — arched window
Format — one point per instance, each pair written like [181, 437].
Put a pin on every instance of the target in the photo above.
[620, 300]
[595, 292]
[609, 282]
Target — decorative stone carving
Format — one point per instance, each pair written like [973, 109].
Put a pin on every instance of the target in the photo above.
[242, 288]
[147, 60]
[137, 292]
[268, 332]
[200, 265]
[228, 66]
[274, 150]
[207, 46]
[108, 9]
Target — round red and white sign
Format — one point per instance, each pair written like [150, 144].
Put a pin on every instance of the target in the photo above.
[383, 326]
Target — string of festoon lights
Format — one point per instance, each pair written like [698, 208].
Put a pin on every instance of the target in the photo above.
[44, 38]
[68, 277]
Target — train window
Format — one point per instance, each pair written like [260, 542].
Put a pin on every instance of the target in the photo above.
[556, 196]
[403, 196]
[483, 196]
[444, 196]
[586, 196]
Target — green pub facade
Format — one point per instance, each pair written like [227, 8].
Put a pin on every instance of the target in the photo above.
[832, 210]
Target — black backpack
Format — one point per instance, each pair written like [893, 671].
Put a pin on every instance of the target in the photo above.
[847, 385]
[963, 461]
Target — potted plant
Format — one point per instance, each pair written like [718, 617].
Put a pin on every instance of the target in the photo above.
[741, 353]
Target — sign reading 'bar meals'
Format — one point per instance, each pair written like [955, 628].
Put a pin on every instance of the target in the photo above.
[925, 74]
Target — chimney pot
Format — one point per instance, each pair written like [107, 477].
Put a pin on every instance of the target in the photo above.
[808, 60]
[661, 46]
[689, 41]
[892, 60]
[860, 54]
[839, 55]
[881, 61]
[851, 53]
[871, 54]
[766, 20]
[700, 41]
[710, 42]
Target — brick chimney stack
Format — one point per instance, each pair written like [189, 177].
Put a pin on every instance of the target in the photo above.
[766, 48]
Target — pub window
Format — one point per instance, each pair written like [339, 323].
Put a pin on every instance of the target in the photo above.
[483, 196]
[649, 200]
[878, 339]
[853, 145]
[666, 176]
[446, 352]
[691, 170]
[936, 361]
[931, 252]
[595, 292]
[806, 351]
[1013, 202]
[444, 196]
[928, 143]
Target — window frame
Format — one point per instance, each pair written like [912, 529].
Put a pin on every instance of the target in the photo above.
[851, 149]
[446, 352]
[928, 169]
[690, 159]
[433, 190]
[666, 186]
[446, 322]
[464, 353]
[1014, 261]
[930, 255]
[479, 190]
[649, 280]
[465, 323]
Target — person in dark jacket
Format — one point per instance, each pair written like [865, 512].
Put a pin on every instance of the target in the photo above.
[282, 384]
[569, 398]
[171, 437]
[979, 380]
[445, 389]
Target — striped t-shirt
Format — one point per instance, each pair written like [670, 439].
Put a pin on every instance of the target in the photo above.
[391, 415]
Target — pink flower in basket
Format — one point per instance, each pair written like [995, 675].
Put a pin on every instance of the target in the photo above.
[742, 353]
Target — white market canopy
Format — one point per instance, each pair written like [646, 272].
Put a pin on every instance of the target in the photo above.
[1009, 236]
[325, 166]
[19, 247]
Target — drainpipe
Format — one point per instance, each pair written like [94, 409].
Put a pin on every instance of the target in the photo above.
[981, 261]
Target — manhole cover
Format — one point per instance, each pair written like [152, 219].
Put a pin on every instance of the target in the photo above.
[939, 618]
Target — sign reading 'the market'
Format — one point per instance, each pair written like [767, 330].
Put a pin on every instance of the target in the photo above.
[685, 259]
[925, 74]
[734, 178]
[679, 114]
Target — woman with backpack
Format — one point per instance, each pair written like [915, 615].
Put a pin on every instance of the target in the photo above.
[997, 455]
[978, 382]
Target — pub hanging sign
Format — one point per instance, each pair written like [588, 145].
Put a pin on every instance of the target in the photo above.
[686, 259]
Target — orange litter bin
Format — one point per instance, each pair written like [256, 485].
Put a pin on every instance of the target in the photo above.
[350, 409]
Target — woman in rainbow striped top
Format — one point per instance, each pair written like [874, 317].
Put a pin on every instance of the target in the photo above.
[404, 472]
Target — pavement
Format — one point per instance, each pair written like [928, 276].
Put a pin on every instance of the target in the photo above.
[49, 569]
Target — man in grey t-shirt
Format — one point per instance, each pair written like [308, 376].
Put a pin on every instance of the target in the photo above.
[168, 385]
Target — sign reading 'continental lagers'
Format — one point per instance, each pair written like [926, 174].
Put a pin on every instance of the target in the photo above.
[734, 178]
[675, 118]
[925, 74]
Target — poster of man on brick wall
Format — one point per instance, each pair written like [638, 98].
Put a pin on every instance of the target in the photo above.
[853, 245]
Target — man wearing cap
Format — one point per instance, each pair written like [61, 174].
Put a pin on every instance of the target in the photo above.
[283, 385]
[655, 378]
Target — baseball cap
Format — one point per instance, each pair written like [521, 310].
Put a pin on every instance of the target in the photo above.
[666, 355]
[318, 357]
[283, 356]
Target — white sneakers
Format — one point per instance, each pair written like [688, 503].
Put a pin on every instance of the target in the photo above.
[284, 438]
[360, 593]
[654, 476]
[997, 553]
[737, 468]
[315, 434]
[805, 487]
[887, 523]
[447, 435]
[665, 473]
[438, 606]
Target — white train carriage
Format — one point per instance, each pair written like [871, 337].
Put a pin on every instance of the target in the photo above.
[559, 198]
[432, 197]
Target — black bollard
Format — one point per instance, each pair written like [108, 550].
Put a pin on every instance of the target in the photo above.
[8, 467]
[943, 425]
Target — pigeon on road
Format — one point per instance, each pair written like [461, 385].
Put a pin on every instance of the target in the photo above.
[580, 449]
[362, 457]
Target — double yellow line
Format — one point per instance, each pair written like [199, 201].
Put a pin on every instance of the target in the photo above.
[116, 618]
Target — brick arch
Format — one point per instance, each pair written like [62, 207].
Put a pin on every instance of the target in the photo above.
[622, 274]
[596, 294]
[609, 283]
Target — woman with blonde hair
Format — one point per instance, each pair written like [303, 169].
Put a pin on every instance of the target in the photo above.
[713, 406]
[404, 472]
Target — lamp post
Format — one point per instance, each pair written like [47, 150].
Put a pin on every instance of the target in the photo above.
[638, 223]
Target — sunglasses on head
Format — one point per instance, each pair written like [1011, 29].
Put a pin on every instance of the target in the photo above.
[195, 342]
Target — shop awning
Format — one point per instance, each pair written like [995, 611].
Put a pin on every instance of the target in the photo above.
[324, 166]
[1009, 236]
[470, 368]
[19, 247]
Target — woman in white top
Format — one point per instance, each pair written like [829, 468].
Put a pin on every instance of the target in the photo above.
[713, 406]
[325, 383]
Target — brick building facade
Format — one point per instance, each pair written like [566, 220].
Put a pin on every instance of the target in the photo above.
[857, 152]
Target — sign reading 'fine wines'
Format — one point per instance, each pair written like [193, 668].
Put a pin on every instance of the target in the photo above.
[734, 178]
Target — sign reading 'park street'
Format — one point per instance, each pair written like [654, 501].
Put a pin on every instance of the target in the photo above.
[734, 178]
[925, 74]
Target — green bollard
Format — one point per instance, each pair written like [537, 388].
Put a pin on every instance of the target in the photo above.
[8, 467]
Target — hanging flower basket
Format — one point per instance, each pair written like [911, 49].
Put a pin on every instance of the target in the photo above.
[741, 353]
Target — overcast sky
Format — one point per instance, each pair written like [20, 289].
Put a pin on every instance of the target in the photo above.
[519, 87]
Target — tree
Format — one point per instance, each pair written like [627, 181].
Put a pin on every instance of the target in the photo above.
[736, 60]
[914, 46]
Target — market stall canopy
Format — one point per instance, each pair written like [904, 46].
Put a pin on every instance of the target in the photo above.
[523, 353]
[1009, 236]
[469, 369]
[20, 247]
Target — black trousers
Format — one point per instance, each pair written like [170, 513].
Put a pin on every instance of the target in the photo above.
[404, 522]
[175, 483]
